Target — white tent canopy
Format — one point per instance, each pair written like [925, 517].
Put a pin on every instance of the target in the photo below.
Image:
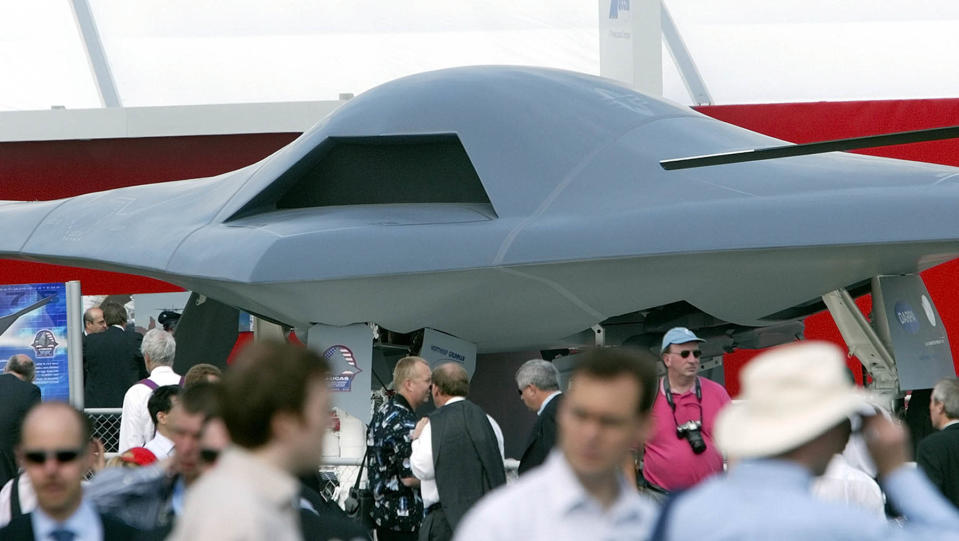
[180, 52]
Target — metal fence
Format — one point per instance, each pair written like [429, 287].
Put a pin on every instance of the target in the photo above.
[106, 427]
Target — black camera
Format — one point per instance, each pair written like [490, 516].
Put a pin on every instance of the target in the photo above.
[692, 431]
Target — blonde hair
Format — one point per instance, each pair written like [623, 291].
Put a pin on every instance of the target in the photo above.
[406, 369]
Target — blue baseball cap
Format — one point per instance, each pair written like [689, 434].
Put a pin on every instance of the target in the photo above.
[678, 335]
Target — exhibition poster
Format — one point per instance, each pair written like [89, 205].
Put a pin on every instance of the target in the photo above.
[33, 321]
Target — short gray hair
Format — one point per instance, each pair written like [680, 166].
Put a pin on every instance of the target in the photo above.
[543, 374]
[946, 392]
[159, 346]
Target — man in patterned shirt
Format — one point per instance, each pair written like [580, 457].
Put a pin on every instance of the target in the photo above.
[397, 506]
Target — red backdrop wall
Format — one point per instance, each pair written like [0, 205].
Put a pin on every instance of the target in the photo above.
[44, 170]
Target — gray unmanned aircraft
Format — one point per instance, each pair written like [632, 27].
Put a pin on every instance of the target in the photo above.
[517, 208]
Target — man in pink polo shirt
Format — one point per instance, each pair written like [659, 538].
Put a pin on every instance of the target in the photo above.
[681, 452]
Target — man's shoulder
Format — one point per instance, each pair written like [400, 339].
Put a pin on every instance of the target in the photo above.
[138, 390]
[211, 489]
[711, 386]
[12, 384]
[729, 510]
[940, 440]
[552, 406]
[515, 499]
[20, 527]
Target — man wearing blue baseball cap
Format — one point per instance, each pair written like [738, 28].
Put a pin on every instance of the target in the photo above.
[681, 452]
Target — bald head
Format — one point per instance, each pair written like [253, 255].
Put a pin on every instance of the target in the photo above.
[93, 321]
[56, 417]
[21, 366]
[449, 380]
[54, 451]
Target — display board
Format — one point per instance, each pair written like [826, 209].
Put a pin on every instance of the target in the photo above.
[33, 321]
[910, 325]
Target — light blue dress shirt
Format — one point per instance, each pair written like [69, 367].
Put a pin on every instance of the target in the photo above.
[550, 504]
[84, 523]
[771, 499]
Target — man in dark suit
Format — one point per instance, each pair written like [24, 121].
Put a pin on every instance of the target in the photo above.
[938, 454]
[538, 383]
[55, 451]
[112, 361]
[17, 395]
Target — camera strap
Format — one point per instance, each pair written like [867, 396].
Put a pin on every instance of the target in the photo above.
[668, 393]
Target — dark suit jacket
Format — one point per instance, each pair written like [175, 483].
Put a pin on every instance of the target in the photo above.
[938, 456]
[466, 457]
[111, 364]
[542, 438]
[16, 397]
[21, 529]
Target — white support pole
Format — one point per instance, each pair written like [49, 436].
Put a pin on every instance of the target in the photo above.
[75, 343]
[102, 74]
[692, 79]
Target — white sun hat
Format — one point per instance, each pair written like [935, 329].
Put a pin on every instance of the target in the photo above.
[790, 395]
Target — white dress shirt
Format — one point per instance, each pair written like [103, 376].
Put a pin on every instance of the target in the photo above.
[161, 446]
[84, 523]
[550, 504]
[421, 460]
[136, 427]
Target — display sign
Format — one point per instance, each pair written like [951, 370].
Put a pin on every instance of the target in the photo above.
[349, 352]
[33, 321]
[909, 324]
[439, 348]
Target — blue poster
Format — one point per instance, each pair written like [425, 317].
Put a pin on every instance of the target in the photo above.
[33, 321]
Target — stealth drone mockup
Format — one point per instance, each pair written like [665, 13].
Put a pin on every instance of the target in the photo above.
[515, 208]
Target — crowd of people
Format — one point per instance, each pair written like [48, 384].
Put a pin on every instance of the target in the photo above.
[235, 455]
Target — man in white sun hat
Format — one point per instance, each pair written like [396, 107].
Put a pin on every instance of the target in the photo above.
[792, 418]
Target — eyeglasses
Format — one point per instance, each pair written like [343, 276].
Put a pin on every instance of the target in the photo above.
[685, 354]
[62, 456]
[209, 455]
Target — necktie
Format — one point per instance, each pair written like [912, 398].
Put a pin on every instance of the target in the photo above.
[62, 535]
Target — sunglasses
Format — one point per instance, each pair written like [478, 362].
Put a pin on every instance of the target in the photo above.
[685, 354]
[60, 455]
[209, 455]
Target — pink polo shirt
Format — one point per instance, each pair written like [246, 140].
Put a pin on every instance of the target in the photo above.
[669, 461]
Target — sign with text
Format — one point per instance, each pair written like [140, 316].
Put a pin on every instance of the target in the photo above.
[33, 322]
[908, 322]
[439, 348]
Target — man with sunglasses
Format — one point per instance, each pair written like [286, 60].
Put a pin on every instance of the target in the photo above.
[681, 451]
[55, 451]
